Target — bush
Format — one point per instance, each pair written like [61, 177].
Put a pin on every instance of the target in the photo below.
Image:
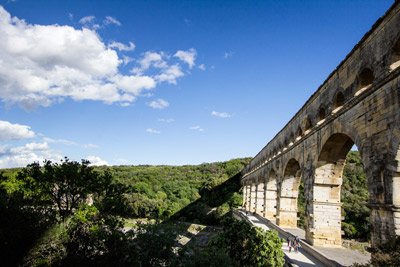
[248, 245]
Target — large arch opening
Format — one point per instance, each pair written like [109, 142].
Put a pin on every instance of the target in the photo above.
[271, 196]
[329, 194]
[288, 195]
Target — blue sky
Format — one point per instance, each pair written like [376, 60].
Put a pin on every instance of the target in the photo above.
[163, 82]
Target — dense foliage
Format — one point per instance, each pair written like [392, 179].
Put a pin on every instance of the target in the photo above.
[37, 202]
[201, 193]
[354, 197]
[250, 246]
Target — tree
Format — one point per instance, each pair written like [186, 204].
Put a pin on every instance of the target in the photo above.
[63, 185]
[250, 246]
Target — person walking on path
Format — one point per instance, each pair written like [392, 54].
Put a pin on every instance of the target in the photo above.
[290, 244]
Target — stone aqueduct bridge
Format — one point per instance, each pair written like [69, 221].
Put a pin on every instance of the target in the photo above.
[359, 103]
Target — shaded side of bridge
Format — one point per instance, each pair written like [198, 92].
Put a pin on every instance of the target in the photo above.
[358, 105]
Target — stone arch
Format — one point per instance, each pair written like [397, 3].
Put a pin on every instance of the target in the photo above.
[326, 208]
[338, 101]
[395, 56]
[286, 143]
[364, 80]
[299, 133]
[291, 139]
[307, 125]
[321, 114]
[287, 214]
[271, 195]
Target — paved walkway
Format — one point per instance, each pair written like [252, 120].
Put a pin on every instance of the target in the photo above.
[300, 258]
[342, 256]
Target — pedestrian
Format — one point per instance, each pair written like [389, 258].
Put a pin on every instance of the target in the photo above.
[290, 244]
[288, 241]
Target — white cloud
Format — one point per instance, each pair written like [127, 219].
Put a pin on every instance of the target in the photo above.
[87, 19]
[158, 104]
[21, 156]
[110, 20]
[196, 128]
[126, 60]
[166, 120]
[228, 54]
[152, 131]
[202, 67]
[44, 64]
[10, 131]
[41, 65]
[121, 46]
[150, 59]
[170, 75]
[188, 56]
[221, 114]
[96, 161]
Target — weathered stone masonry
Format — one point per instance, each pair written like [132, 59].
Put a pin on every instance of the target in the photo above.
[357, 104]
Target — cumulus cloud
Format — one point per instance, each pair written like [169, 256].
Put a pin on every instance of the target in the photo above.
[202, 67]
[21, 156]
[188, 56]
[10, 131]
[152, 131]
[96, 161]
[158, 60]
[196, 128]
[170, 74]
[158, 104]
[111, 20]
[150, 59]
[121, 46]
[40, 65]
[43, 64]
[221, 114]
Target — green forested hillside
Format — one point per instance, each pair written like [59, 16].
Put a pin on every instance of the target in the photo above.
[30, 198]
[160, 192]
[29, 217]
